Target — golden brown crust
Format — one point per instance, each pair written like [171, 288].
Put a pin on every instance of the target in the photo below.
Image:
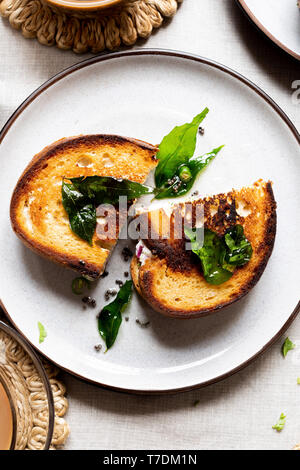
[92, 267]
[89, 270]
[177, 268]
[69, 144]
[134, 271]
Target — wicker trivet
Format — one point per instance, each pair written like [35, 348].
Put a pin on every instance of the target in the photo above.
[106, 29]
[30, 393]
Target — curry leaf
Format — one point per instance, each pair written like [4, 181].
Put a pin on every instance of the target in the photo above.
[71, 198]
[81, 197]
[219, 256]
[82, 214]
[83, 222]
[177, 185]
[110, 318]
[211, 255]
[104, 189]
[239, 249]
[176, 149]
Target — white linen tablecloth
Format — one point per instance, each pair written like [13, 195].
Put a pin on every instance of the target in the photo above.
[239, 412]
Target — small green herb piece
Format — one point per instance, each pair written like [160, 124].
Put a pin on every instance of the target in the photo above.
[196, 403]
[43, 332]
[82, 195]
[287, 346]
[110, 318]
[280, 423]
[79, 284]
[219, 256]
[176, 149]
[185, 173]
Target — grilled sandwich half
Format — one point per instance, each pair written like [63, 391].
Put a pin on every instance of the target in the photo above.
[37, 214]
[169, 277]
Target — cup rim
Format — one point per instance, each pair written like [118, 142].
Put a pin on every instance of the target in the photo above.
[87, 5]
[41, 370]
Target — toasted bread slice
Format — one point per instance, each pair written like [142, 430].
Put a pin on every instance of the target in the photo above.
[171, 280]
[37, 215]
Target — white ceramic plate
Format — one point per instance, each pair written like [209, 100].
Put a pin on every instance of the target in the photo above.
[144, 94]
[279, 20]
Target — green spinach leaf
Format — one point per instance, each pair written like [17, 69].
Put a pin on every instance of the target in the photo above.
[81, 197]
[211, 255]
[176, 149]
[83, 222]
[82, 214]
[107, 190]
[185, 176]
[71, 198]
[239, 249]
[219, 256]
[110, 318]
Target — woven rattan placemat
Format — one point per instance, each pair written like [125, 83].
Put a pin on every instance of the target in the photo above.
[106, 29]
[29, 389]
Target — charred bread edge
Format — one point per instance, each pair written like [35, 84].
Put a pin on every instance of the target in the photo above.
[267, 246]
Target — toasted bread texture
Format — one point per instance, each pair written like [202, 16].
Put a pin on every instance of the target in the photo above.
[171, 280]
[37, 214]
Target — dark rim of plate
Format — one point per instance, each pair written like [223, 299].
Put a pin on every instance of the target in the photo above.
[265, 31]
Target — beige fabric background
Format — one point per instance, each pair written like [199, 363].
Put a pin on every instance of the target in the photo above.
[239, 412]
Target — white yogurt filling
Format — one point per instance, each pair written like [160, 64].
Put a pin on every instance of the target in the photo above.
[142, 252]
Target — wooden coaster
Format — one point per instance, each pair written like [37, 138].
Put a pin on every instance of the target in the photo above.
[106, 29]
